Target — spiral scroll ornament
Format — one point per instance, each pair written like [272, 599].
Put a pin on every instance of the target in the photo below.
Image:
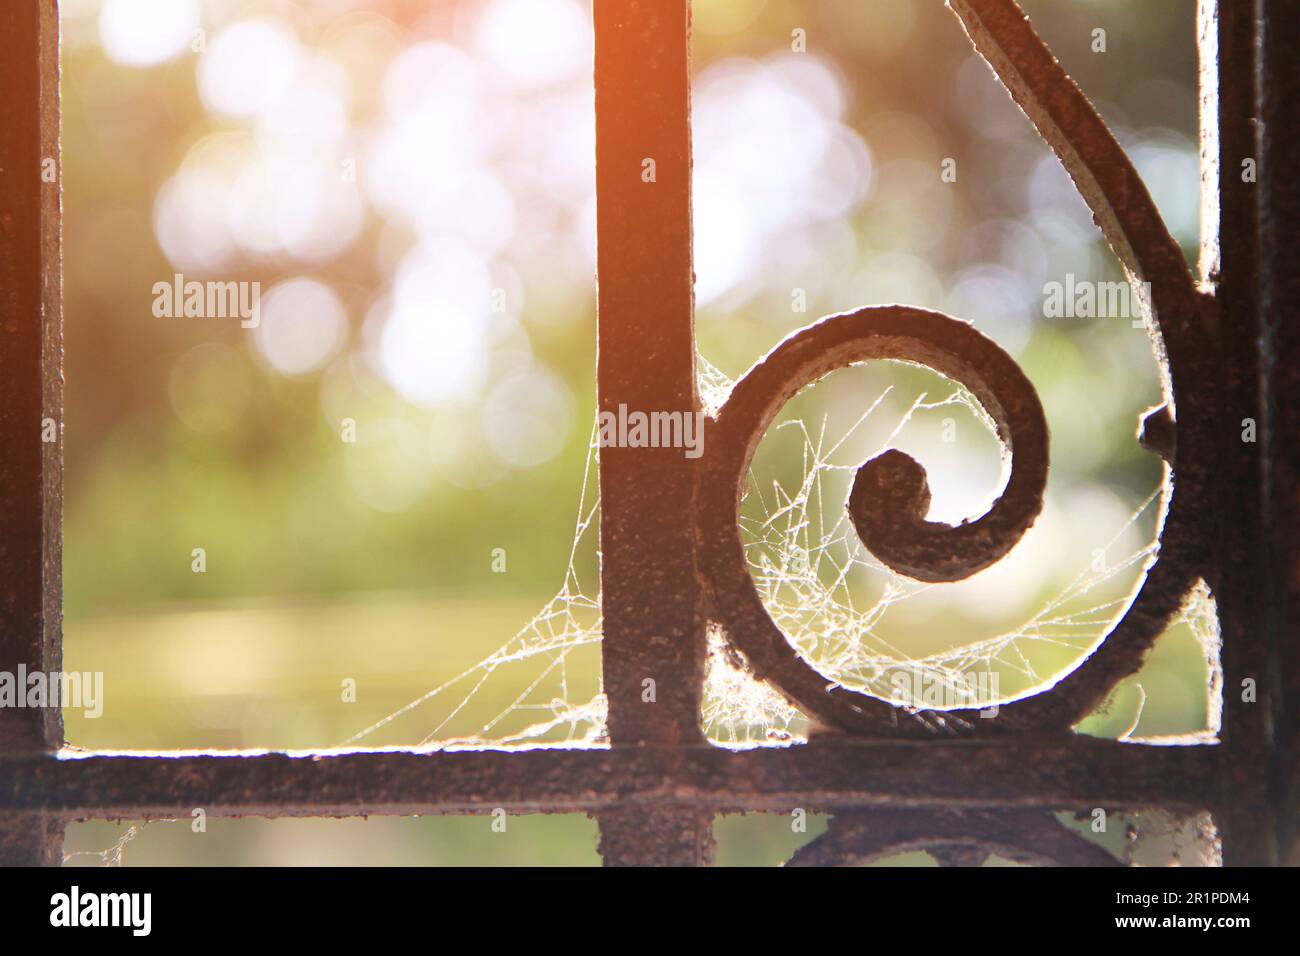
[890, 495]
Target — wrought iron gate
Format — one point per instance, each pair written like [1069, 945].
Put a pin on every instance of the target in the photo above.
[673, 562]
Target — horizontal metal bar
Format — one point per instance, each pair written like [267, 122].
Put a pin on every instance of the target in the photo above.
[1051, 772]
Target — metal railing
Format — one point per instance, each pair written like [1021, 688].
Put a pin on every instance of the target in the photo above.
[672, 559]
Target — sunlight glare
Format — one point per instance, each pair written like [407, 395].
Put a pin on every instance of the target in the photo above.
[536, 42]
[249, 66]
[147, 32]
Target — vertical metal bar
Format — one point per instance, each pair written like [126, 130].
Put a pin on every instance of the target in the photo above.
[31, 395]
[1228, 34]
[653, 647]
[1280, 224]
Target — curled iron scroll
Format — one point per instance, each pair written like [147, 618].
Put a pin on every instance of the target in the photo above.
[890, 495]
[953, 837]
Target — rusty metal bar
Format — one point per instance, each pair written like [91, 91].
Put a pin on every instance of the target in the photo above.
[31, 396]
[1228, 44]
[1279, 159]
[653, 646]
[1051, 772]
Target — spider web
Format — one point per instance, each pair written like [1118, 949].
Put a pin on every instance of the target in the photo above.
[114, 854]
[810, 572]
[1155, 837]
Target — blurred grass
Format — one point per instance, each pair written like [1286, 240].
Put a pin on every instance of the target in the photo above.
[269, 674]
[534, 840]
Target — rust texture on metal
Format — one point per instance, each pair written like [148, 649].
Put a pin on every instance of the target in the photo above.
[31, 839]
[661, 835]
[650, 594]
[1045, 772]
[1230, 253]
[653, 642]
[31, 398]
[1279, 213]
